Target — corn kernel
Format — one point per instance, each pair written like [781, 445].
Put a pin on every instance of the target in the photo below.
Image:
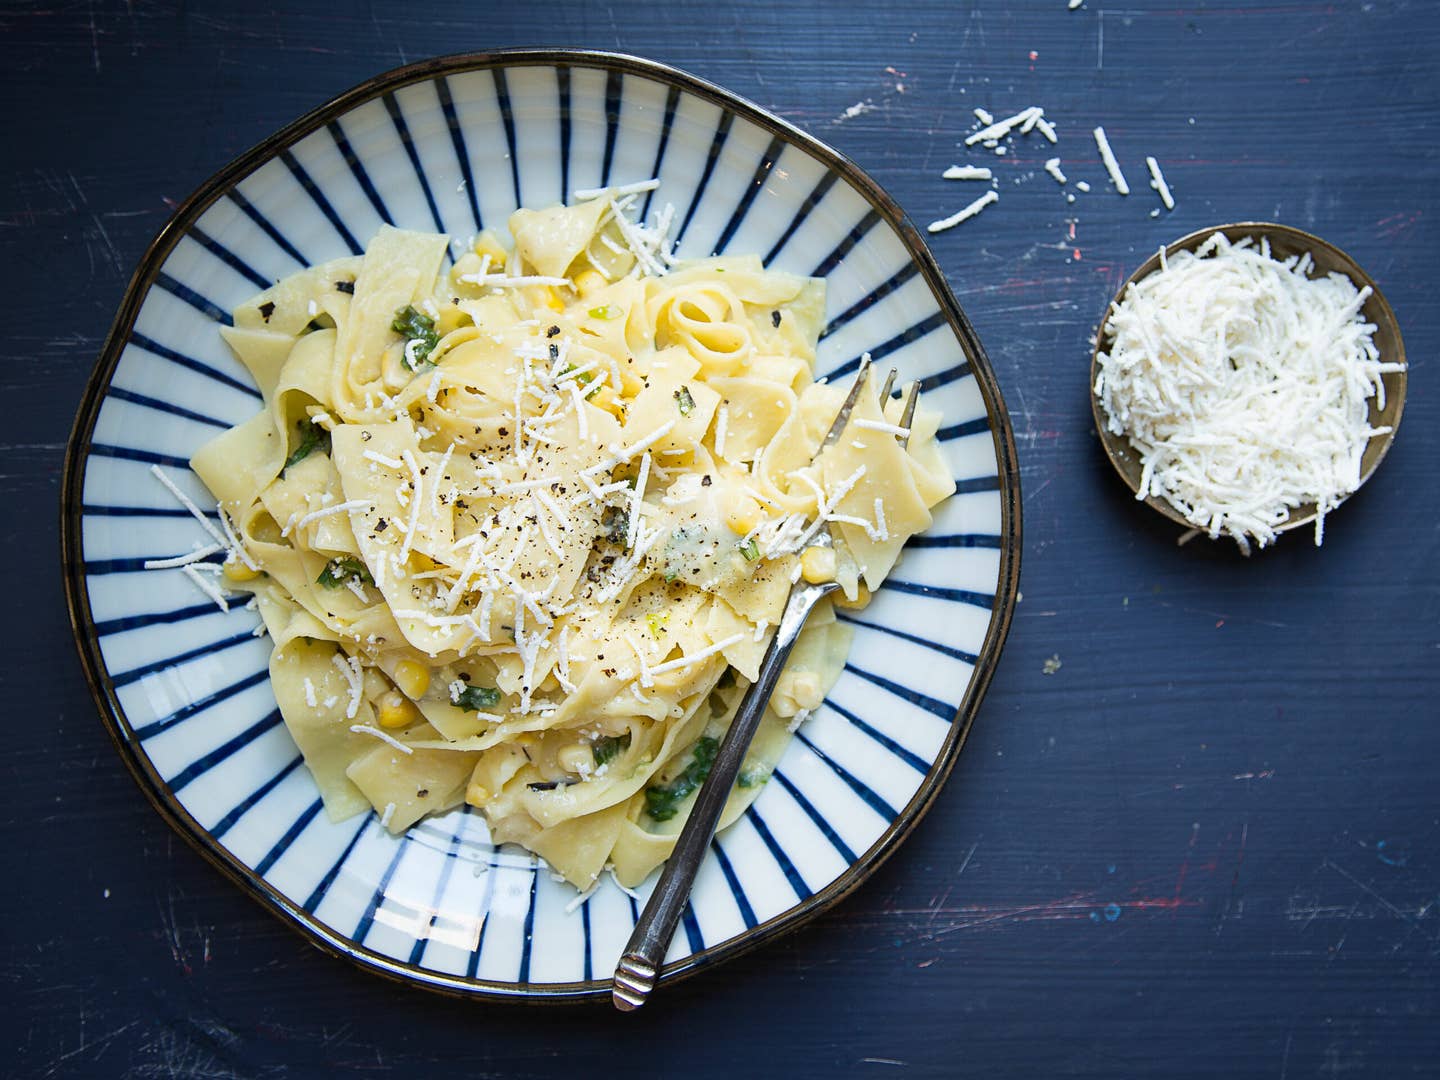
[485, 244]
[397, 711]
[235, 570]
[552, 299]
[588, 281]
[742, 515]
[413, 678]
[817, 565]
[862, 598]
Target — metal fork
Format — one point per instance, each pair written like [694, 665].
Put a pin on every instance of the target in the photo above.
[639, 966]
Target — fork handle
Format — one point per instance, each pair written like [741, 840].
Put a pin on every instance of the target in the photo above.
[639, 966]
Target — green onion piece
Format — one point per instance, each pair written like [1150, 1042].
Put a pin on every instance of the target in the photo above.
[662, 802]
[312, 438]
[608, 747]
[414, 325]
[684, 402]
[339, 571]
[750, 549]
[605, 311]
[475, 698]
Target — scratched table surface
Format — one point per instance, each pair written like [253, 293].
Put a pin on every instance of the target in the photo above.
[1196, 831]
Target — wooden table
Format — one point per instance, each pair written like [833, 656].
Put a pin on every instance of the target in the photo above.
[1207, 843]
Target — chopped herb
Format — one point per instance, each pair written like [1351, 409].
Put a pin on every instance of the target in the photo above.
[775, 319]
[554, 351]
[414, 325]
[670, 576]
[475, 698]
[346, 568]
[662, 802]
[608, 747]
[750, 549]
[585, 378]
[312, 438]
[754, 777]
[656, 622]
[605, 311]
[684, 402]
[616, 523]
[345, 287]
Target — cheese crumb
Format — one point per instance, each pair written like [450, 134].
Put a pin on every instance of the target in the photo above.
[965, 214]
[1111, 165]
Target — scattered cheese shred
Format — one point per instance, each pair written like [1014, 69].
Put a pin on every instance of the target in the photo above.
[366, 729]
[967, 172]
[1052, 166]
[1157, 181]
[965, 214]
[182, 560]
[1111, 165]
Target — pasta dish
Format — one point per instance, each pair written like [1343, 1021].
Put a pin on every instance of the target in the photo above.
[521, 525]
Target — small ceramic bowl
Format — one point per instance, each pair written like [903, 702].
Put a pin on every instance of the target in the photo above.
[1284, 242]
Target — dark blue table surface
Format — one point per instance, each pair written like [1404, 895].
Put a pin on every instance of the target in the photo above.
[1209, 844]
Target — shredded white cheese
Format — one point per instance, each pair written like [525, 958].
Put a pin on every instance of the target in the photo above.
[182, 560]
[1052, 166]
[965, 214]
[1111, 165]
[585, 194]
[385, 737]
[1243, 385]
[1157, 181]
[967, 172]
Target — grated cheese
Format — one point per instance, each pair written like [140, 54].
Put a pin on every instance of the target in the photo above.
[315, 515]
[965, 214]
[696, 657]
[182, 560]
[349, 667]
[1243, 384]
[1001, 128]
[366, 729]
[1111, 165]
[586, 194]
[1052, 166]
[881, 425]
[1157, 181]
[205, 586]
[967, 172]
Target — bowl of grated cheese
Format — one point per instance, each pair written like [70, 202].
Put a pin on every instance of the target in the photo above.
[1246, 380]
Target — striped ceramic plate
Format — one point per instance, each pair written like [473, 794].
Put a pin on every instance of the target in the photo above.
[454, 145]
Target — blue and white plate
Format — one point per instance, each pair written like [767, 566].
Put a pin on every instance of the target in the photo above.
[455, 145]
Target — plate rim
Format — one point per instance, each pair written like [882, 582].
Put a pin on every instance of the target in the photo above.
[77, 454]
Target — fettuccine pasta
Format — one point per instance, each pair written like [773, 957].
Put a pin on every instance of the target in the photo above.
[521, 529]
